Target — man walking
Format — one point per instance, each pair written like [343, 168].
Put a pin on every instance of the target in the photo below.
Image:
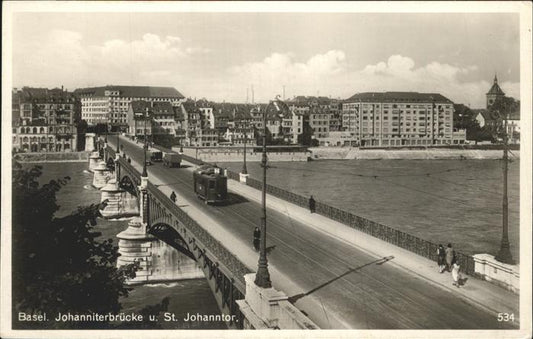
[173, 197]
[257, 236]
[312, 204]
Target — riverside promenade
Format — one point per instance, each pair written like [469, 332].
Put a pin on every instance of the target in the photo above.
[343, 280]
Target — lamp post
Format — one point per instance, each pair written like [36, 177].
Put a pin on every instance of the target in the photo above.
[244, 169]
[118, 141]
[262, 277]
[504, 255]
[145, 173]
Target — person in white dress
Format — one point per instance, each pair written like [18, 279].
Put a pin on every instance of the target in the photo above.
[455, 274]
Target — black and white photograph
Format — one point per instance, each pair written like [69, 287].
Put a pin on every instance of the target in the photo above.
[175, 167]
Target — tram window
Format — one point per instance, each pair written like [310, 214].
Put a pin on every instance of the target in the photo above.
[211, 184]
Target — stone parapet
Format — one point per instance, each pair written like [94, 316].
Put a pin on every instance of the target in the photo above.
[268, 308]
[243, 177]
[89, 141]
[505, 275]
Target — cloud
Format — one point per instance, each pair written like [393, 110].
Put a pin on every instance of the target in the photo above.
[329, 74]
[273, 72]
[62, 58]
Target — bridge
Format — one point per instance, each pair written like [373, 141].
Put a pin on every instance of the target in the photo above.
[319, 280]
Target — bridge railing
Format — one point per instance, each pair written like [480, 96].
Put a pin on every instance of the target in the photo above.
[401, 239]
[236, 269]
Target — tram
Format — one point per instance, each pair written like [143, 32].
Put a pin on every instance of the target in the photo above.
[210, 184]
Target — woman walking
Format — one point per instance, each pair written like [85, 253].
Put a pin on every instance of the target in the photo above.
[450, 254]
[441, 258]
[455, 274]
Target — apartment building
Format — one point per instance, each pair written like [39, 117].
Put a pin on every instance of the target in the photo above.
[44, 120]
[110, 104]
[399, 119]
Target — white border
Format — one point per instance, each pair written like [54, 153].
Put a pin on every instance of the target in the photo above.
[524, 8]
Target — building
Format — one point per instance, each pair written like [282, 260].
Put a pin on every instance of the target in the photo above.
[494, 93]
[44, 120]
[138, 118]
[399, 119]
[492, 119]
[110, 104]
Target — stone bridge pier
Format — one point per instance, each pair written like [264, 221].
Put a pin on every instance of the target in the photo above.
[121, 201]
[158, 260]
[89, 142]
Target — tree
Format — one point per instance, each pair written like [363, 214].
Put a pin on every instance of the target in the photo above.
[58, 265]
[306, 138]
[81, 127]
[162, 137]
[501, 108]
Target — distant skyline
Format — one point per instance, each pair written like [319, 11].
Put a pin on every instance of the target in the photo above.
[219, 56]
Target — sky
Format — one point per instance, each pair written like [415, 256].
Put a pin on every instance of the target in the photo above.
[221, 56]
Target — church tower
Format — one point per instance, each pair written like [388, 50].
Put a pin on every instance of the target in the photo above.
[494, 93]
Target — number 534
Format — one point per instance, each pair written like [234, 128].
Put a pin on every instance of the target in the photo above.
[505, 316]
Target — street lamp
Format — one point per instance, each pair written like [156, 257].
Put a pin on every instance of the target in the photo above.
[262, 277]
[504, 255]
[244, 169]
[145, 173]
[118, 141]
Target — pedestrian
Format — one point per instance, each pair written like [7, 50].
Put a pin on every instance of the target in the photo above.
[312, 204]
[173, 197]
[257, 236]
[456, 275]
[450, 254]
[441, 258]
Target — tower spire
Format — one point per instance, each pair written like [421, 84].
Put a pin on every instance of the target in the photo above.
[495, 78]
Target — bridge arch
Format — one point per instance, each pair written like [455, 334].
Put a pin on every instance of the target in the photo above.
[128, 185]
[170, 236]
[110, 163]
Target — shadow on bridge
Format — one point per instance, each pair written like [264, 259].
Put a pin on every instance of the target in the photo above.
[381, 261]
[233, 199]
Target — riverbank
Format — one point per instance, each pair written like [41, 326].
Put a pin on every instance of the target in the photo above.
[52, 157]
[348, 153]
[235, 154]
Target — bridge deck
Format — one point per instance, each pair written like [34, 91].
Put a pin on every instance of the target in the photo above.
[347, 287]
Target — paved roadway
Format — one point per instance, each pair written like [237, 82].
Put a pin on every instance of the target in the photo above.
[351, 284]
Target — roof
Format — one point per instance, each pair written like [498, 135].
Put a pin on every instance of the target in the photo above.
[398, 97]
[488, 116]
[190, 106]
[139, 106]
[162, 108]
[43, 95]
[495, 89]
[132, 91]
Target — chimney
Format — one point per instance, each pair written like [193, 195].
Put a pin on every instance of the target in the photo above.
[252, 94]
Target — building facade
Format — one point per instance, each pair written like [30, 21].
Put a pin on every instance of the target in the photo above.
[399, 119]
[44, 120]
[110, 104]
